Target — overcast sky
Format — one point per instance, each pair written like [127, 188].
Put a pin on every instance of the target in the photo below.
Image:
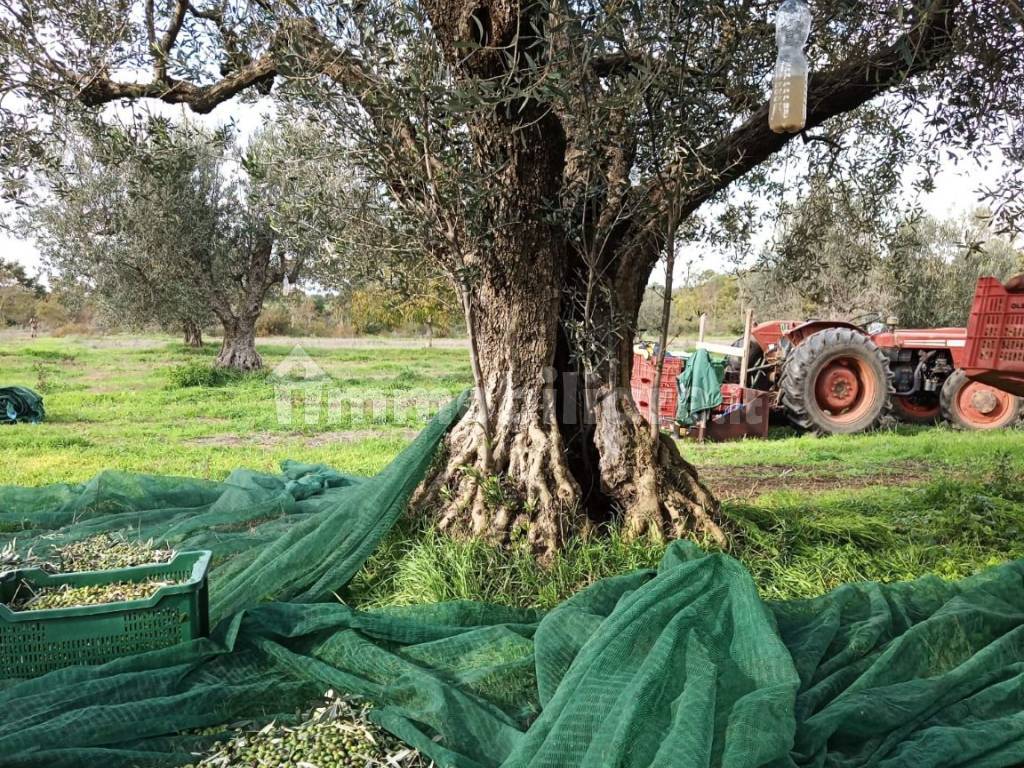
[956, 189]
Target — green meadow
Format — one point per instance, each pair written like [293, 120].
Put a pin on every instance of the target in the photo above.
[805, 514]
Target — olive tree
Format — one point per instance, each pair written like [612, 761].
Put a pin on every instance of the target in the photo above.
[175, 224]
[933, 267]
[19, 293]
[544, 154]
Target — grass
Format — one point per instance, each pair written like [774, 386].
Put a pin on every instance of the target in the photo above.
[796, 544]
[143, 405]
[807, 514]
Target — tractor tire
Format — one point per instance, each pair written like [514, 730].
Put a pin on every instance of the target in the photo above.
[971, 405]
[837, 382]
[755, 357]
[917, 409]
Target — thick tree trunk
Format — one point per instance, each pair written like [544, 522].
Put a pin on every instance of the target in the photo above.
[569, 450]
[238, 350]
[193, 335]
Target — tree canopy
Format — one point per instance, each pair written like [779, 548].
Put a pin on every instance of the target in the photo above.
[19, 293]
[176, 224]
[545, 154]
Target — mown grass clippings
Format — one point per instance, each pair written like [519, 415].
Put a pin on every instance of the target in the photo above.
[337, 734]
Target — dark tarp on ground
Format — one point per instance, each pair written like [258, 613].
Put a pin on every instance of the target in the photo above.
[682, 666]
[20, 404]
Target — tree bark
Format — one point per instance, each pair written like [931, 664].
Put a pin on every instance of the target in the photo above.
[238, 350]
[193, 335]
[568, 449]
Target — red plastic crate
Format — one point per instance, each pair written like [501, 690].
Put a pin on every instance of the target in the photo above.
[995, 335]
[732, 394]
[643, 370]
[642, 386]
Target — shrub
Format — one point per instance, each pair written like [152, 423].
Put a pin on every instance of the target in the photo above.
[200, 374]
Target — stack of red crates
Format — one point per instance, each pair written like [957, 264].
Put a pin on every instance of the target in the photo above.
[642, 384]
[995, 335]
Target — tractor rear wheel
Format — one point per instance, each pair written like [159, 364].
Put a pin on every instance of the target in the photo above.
[972, 405]
[837, 382]
[755, 358]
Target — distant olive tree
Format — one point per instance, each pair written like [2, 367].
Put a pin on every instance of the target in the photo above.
[178, 225]
[19, 294]
[826, 256]
[934, 265]
[837, 256]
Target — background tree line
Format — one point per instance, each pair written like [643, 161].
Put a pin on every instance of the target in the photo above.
[155, 224]
[923, 275]
[370, 308]
[831, 257]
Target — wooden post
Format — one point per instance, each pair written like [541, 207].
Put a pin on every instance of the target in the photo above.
[702, 423]
[748, 326]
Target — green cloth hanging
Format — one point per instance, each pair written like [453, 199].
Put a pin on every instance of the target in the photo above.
[700, 387]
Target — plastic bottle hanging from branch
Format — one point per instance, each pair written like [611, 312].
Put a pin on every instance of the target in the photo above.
[788, 110]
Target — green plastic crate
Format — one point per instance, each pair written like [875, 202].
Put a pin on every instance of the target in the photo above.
[35, 642]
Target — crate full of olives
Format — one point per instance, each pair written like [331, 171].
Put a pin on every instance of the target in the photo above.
[50, 620]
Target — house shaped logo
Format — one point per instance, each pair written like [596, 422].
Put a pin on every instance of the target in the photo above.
[298, 367]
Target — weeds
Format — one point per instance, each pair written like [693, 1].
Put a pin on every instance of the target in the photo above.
[421, 565]
[797, 546]
[49, 354]
[200, 374]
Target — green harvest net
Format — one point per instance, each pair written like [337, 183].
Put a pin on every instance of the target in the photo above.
[680, 666]
[20, 404]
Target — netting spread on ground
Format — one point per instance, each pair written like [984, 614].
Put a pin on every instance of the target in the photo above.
[683, 666]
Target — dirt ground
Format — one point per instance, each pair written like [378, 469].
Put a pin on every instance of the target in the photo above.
[753, 480]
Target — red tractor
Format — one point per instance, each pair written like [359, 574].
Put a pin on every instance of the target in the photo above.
[835, 377]
[840, 378]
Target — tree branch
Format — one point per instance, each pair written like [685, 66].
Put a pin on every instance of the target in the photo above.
[626, 63]
[101, 89]
[232, 45]
[639, 238]
[163, 50]
[696, 179]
